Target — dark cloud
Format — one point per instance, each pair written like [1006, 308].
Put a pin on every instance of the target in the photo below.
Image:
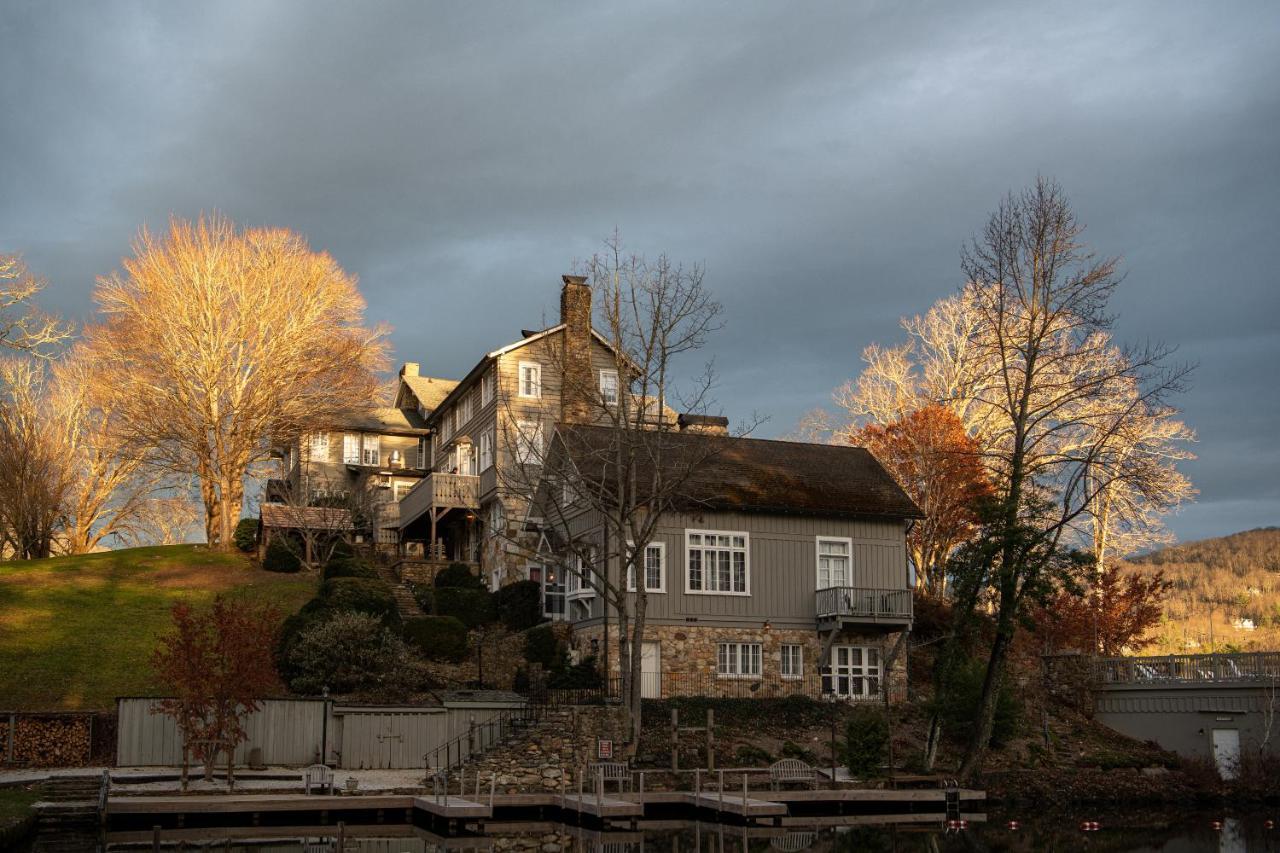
[826, 163]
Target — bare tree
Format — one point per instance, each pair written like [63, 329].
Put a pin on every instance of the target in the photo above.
[321, 514]
[169, 520]
[1060, 400]
[217, 341]
[23, 327]
[35, 476]
[615, 467]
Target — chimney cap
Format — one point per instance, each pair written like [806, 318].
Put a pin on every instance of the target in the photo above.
[716, 422]
[573, 279]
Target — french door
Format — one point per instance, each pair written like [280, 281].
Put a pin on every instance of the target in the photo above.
[854, 672]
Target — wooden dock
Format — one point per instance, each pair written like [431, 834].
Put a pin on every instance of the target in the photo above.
[601, 806]
[737, 804]
[453, 807]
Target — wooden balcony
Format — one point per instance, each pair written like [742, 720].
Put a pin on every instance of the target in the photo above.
[841, 606]
[437, 493]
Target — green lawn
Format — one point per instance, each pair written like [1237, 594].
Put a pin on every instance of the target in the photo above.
[76, 632]
[15, 806]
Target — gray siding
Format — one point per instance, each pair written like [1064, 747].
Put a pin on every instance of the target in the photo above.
[287, 730]
[782, 565]
[1181, 718]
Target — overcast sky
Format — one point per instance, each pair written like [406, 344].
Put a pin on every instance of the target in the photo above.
[825, 162]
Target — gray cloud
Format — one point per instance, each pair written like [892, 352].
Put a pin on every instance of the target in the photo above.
[825, 162]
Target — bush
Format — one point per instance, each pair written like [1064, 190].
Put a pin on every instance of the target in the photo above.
[541, 646]
[437, 637]
[750, 755]
[280, 557]
[348, 652]
[348, 567]
[958, 704]
[473, 607]
[791, 749]
[582, 675]
[246, 535]
[458, 575]
[361, 595]
[519, 605]
[866, 740]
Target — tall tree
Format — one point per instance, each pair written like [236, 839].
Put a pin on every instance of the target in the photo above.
[940, 466]
[216, 340]
[1060, 400]
[629, 472]
[23, 327]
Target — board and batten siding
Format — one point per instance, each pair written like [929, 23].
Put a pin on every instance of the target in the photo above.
[783, 567]
[288, 731]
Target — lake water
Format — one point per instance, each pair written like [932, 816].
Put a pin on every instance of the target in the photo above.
[1124, 832]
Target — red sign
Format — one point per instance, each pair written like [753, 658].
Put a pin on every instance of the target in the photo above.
[604, 749]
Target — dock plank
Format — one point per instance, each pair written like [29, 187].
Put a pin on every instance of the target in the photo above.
[600, 806]
[454, 807]
[738, 804]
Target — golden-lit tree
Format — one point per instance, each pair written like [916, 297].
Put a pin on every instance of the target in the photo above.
[34, 475]
[215, 341]
[939, 465]
[24, 327]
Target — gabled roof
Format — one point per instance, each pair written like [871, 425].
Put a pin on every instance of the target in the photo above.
[386, 419]
[429, 390]
[756, 475]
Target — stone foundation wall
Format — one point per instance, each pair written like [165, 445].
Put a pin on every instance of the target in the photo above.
[1068, 677]
[689, 658]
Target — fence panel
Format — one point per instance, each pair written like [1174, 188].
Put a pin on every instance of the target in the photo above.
[287, 730]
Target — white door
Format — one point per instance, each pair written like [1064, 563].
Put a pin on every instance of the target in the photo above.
[1226, 752]
[651, 670]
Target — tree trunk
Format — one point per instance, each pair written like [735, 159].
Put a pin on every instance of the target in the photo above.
[981, 735]
[932, 740]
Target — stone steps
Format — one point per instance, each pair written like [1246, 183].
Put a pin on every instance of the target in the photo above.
[406, 604]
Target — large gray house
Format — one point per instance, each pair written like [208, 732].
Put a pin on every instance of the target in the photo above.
[782, 564]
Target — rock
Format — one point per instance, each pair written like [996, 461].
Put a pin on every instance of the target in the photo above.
[1155, 771]
[551, 847]
[551, 773]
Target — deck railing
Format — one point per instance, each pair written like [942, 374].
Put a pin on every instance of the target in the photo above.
[1209, 668]
[437, 490]
[873, 605]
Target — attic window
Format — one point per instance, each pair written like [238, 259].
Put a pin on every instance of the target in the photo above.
[530, 379]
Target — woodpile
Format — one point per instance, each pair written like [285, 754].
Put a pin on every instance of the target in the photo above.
[46, 740]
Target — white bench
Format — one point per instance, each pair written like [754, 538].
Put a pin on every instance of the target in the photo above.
[612, 771]
[317, 776]
[791, 770]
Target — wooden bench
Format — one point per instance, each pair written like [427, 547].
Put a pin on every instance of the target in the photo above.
[611, 771]
[791, 770]
[317, 776]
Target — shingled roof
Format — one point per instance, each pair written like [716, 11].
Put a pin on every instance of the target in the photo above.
[430, 390]
[759, 475]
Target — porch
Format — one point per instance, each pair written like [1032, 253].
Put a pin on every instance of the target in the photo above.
[438, 518]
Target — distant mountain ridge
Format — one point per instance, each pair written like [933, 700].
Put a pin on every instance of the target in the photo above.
[1226, 592]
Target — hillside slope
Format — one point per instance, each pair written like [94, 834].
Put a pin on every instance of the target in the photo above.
[1226, 592]
[75, 632]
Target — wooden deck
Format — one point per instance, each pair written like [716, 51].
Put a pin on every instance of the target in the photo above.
[600, 806]
[737, 804]
[453, 807]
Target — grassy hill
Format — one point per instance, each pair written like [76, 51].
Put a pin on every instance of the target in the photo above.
[1226, 593]
[75, 632]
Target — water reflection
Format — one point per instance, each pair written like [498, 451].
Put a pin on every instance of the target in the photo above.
[1130, 833]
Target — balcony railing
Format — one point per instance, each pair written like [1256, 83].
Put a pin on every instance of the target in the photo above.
[1210, 668]
[858, 604]
[440, 491]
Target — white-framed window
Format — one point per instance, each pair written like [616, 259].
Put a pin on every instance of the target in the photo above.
[568, 495]
[465, 459]
[400, 488]
[486, 450]
[319, 443]
[464, 410]
[497, 518]
[792, 664]
[446, 425]
[370, 450]
[553, 592]
[486, 388]
[854, 673]
[655, 568]
[351, 448]
[422, 453]
[718, 562]
[530, 379]
[738, 660]
[609, 387]
[528, 442]
[579, 583]
[835, 566]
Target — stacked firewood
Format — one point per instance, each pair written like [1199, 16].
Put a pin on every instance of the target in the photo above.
[46, 740]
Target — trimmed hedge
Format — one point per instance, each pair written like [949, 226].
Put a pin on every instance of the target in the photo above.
[361, 595]
[246, 535]
[472, 607]
[519, 605]
[280, 558]
[348, 567]
[458, 575]
[541, 646]
[437, 637]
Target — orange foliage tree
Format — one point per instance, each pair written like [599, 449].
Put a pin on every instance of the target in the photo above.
[217, 665]
[1113, 619]
[939, 465]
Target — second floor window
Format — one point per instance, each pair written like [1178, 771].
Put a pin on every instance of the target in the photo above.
[369, 450]
[528, 442]
[581, 581]
[486, 450]
[351, 448]
[833, 563]
[486, 388]
[530, 379]
[718, 563]
[609, 387]
[320, 446]
[422, 453]
[655, 569]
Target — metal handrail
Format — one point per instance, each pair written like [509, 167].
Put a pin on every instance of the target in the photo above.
[1206, 668]
[864, 602]
[480, 737]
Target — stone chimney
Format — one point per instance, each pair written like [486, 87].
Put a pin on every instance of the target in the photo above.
[409, 368]
[578, 388]
[706, 424]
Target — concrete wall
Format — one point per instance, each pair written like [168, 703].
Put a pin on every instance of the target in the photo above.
[1181, 717]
